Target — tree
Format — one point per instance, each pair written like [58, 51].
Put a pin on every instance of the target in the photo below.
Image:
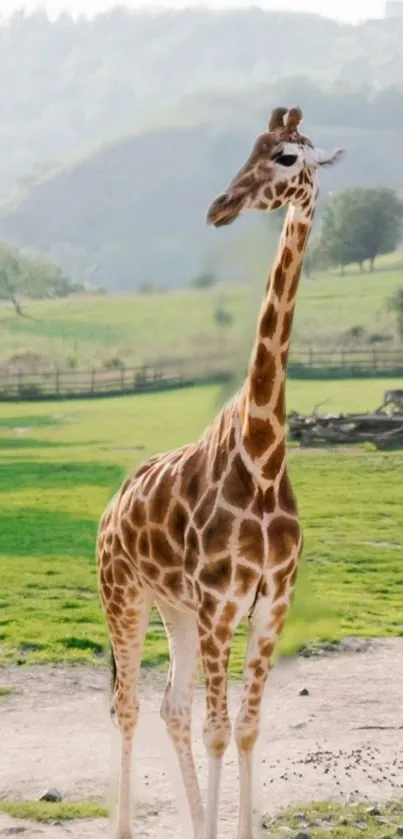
[33, 277]
[205, 280]
[316, 258]
[360, 224]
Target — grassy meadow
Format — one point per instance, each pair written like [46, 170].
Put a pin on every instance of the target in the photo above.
[60, 463]
[93, 331]
[340, 821]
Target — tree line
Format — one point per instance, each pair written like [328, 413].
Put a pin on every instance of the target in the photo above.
[358, 225]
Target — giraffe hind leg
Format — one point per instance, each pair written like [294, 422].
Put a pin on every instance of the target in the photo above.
[127, 609]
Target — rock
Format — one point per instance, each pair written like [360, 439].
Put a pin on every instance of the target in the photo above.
[51, 794]
[302, 835]
[399, 831]
[14, 831]
[304, 692]
[373, 811]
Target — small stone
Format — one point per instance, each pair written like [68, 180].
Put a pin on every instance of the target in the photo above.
[302, 835]
[51, 794]
[304, 692]
[373, 811]
[399, 831]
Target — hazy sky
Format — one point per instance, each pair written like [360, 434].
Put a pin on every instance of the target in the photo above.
[351, 10]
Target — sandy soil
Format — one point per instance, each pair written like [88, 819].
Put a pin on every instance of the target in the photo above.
[343, 741]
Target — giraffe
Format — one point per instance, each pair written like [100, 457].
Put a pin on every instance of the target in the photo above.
[209, 533]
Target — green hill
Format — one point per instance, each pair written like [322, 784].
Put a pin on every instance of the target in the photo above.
[92, 331]
[133, 211]
[65, 84]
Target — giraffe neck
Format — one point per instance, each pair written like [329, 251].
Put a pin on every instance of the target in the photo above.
[262, 404]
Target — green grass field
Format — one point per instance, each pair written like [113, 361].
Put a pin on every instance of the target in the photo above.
[60, 463]
[317, 820]
[340, 821]
[90, 331]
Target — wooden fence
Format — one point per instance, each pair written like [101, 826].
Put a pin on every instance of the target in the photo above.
[346, 362]
[171, 373]
[75, 384]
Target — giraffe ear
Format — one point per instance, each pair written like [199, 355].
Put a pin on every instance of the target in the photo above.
[324, 159]
[277, 118]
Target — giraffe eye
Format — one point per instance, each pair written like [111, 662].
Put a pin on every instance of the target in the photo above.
[286, 159]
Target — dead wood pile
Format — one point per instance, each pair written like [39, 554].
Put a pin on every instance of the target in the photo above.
[382, 428]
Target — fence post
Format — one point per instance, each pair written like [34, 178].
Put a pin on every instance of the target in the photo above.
[374, 359]
[122, 377]
[57, 381]
[92, 380]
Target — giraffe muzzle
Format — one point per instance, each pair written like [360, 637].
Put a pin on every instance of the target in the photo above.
[224, 210]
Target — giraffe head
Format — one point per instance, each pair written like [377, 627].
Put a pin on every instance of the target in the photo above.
[281, 169]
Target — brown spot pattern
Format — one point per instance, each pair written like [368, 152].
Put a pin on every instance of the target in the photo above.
[238, 488]
[286, 498]
[191, 484]
[137, 513]
[161, 550]
[263, 376]
[279, 408]
[144, 543]
[287, 258]
[294, 284]
[192, 554]
[173, 582]
[259, 435]
[284, 535]
[286, 328]
[278, 280]
[205, 508]
[251, 544]
[177, 524]
[209, 647]
[273, 463]
[216, 575]
[151, 572]
[268, 322]
[161, 497]
[302, 233]
[217, 532]
[208, 603]
[245, 579]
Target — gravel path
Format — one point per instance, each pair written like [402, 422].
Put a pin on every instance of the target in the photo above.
[342, 741]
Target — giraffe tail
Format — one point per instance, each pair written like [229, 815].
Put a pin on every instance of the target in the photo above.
[113, 676]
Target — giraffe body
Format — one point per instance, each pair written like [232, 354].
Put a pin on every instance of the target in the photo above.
[209, 533]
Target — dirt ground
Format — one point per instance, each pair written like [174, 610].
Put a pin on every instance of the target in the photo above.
[342, 741]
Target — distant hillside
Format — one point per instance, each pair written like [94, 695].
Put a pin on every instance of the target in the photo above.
[133, 211]
[67, 84]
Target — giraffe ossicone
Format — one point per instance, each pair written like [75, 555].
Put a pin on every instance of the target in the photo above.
[209, 533]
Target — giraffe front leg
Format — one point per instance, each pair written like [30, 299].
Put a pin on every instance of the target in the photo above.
[265, 627]
[215, 644]
[181, 629]
[127, 638]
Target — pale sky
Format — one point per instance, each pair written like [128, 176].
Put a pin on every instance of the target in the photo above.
[346, 10]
